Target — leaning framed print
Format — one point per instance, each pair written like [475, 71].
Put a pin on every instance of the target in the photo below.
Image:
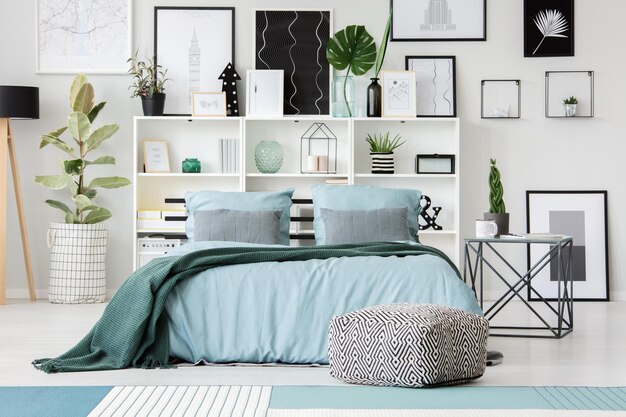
[398, 93]
[294, 40]
[438, 20]
[582, 215]
[264, 93]
[194, 44]
[94, 39]
[548, 28]
[208, 104]
[436, 84]
[156, 157]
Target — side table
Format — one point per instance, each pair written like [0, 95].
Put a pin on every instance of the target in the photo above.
[561, 308]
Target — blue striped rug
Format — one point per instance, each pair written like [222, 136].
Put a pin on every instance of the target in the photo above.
[311, 401]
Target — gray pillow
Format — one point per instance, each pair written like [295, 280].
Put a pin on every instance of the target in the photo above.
[237, 226]
[358, 226]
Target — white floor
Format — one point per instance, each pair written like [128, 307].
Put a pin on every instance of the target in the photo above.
[594, 354]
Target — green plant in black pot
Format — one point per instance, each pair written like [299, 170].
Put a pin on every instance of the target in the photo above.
[497, 208]
[381, 152]
[352, 49]
[148, 83]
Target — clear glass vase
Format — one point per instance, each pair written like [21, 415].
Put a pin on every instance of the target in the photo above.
[268, 156]
[343, 96]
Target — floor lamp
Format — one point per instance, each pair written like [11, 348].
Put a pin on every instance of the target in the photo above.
[15, 103]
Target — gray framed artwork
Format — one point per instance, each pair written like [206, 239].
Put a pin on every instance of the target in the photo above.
[435, 78]
[194, 44]
[582, 215]
[438, 20]
[94, 37]
[500, 99]
[295, 41]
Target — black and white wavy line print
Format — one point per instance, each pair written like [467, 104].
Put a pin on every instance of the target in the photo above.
[295, 41]
[434, 86]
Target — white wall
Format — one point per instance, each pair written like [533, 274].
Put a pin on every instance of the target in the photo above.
[533, 153]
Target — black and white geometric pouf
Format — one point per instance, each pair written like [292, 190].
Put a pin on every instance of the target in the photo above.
[408, 345]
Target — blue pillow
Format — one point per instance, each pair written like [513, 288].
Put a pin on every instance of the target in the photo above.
[249, 201]
[362, 197]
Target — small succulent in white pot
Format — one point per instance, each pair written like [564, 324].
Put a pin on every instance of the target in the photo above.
[569, 106]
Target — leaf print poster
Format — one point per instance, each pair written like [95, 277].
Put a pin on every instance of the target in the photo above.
[548, 28]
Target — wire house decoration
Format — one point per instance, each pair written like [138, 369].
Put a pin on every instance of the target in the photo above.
[318, 150]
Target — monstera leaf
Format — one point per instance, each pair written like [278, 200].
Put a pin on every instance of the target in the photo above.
[352, 48]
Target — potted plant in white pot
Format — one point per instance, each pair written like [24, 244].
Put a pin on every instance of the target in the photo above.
[569, 106]
[149, 84]
[497, 208]
[381, 151]
[78, 246]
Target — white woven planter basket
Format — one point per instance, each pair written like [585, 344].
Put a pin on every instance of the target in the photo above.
[77, 263]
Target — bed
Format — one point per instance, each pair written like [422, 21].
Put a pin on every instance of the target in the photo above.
[256, 300]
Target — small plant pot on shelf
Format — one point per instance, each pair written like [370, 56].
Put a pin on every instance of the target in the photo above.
[153, 106]
[382, 163]
[570, 110]
[501, 219]
[77, 263]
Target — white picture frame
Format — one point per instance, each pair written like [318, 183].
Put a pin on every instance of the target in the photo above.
[156, 156]
[264, 93]
[208, 104]
[68, 43]
[398, 94]
[194, 44]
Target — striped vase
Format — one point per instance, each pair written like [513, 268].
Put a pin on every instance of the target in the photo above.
[77, 263]
[382, 163]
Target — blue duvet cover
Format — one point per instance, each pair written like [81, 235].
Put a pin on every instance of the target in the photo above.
[279, 312]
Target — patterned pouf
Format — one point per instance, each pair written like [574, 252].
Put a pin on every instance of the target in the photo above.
[408, 345]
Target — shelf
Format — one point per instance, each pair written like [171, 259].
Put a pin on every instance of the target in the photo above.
[436, 232]
[406, 119]
[185, 175]
[279, 175]
[396, 176]
[306, 118]
[156, 231]
[189, 118]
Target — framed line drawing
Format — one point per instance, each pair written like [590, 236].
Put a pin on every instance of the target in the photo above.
[548, 28]
[436, 84]
[582, 215]
[89, 36]
[194, 44]
[208, 104]
[155, 156]
[264, 93]
[294, 40]
[500, 99]
[438, 20]
[398, 93]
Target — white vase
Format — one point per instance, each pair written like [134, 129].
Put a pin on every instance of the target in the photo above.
[77, 263]
[382, 163]
[570, 110]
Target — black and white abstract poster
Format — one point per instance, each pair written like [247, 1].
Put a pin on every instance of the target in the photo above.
[295, 41]
[581, 215]
[548, 28]
[439, 20]
[435, 84]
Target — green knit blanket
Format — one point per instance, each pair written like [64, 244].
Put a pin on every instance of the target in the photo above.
[133, 329]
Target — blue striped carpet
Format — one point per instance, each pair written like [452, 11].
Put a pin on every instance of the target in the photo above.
[310, 401]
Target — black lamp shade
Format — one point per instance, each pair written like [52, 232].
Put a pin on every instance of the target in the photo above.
[19, 102]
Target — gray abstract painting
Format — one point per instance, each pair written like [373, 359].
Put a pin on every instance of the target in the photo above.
[435, 85]
[570, 223]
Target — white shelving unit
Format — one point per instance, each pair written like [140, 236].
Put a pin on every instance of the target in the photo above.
[198, 137]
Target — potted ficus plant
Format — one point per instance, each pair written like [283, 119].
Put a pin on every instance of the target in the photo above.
[497, 208]
[569, 106]
[78, 246]
[381, 152]
[352, 49]
[148, 83]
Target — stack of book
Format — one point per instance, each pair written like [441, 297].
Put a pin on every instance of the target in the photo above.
[229, 156]
[173, 220]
